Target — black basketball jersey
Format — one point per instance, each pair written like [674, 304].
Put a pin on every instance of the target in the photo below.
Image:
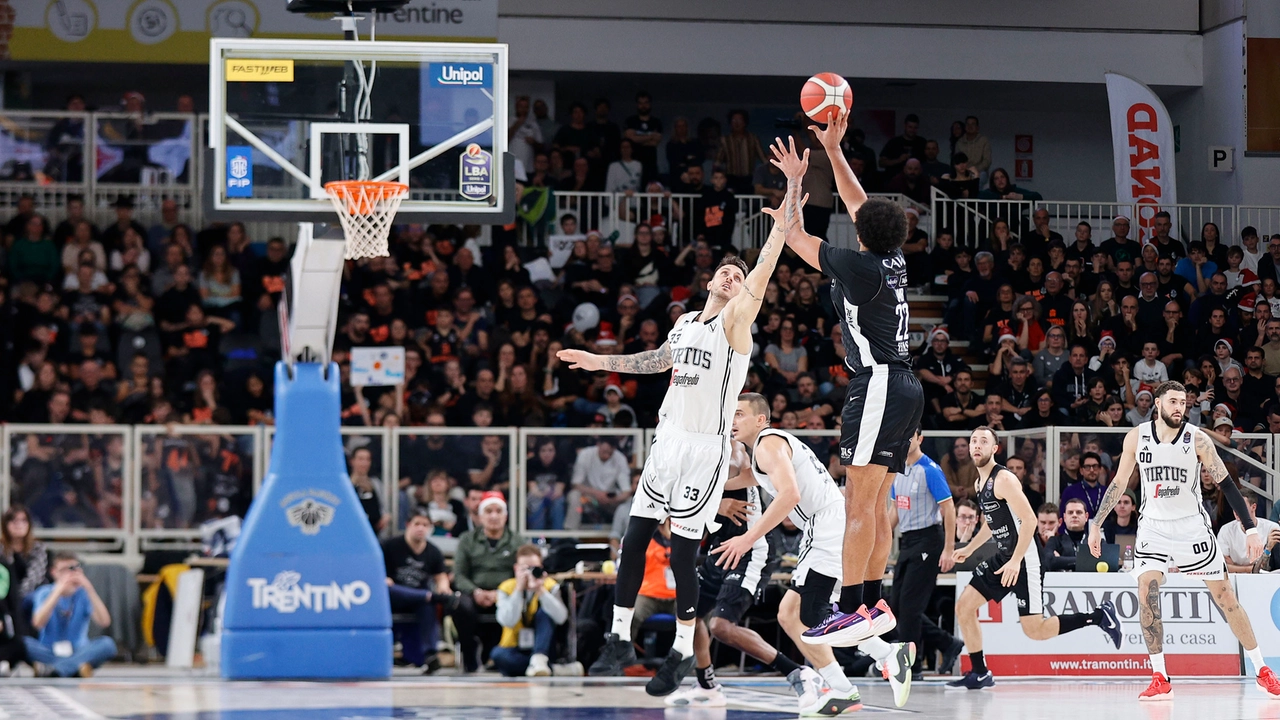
[1001, 520]
[869, 291]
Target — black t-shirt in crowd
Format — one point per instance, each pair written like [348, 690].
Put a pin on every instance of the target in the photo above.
[406, 568]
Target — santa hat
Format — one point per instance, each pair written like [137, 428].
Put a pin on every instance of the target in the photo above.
[606, 336]
[1142, 392]
[1107, 336]
[1249, 302]
[1231, 412]
[1249, 277]
[939, 330]
[680, 294]
[1224, 341]
[614, 382]
[1007, 336]
[628, 296]
[657, 221]
[493, 497]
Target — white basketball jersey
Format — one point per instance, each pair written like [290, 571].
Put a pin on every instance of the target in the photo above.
[817, 489]
[1170, 473]
[706, 377]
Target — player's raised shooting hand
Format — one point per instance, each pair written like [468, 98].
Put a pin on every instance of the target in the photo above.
[833, 133]
[785, 157]
[580, 360]
[780, 213]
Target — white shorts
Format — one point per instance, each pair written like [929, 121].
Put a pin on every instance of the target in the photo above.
[1186, 543]
[822, 546]
[683, 479]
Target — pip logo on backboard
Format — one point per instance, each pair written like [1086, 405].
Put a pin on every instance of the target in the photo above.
[472, 75]
[239, 171]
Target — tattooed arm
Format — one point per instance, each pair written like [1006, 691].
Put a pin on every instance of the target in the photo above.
[645, 363]
[1124, 471]
[742, 310]
[1209, 458]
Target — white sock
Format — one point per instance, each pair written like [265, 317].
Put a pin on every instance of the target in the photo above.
[1157, 664]
[622, 622]
[1255, 657]
[876, 648]
[684, 640]
[834, 675]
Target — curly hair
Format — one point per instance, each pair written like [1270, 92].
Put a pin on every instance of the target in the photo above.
[882, 225]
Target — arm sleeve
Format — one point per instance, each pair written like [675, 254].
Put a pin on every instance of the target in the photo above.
[857, 271]
[1237, 503]
[937, 482]
[507, 610]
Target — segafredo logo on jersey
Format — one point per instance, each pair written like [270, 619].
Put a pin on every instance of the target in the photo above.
[1165, 491]
[286, 594]
[461, 75]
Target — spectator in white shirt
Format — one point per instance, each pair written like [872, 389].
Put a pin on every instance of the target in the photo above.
[1252, 251]
[601, 482]
[624, 174]
[1149, 369]
[1231, 539]
[523, 135]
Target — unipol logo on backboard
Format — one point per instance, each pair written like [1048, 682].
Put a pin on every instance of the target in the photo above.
[475, 173]
[472, 75]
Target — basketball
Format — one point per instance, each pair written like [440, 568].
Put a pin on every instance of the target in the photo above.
[824, 94]
[1103, 566]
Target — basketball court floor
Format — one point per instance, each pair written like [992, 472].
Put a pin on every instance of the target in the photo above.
[156, 695]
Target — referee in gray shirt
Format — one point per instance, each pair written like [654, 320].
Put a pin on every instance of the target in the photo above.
[927, 519]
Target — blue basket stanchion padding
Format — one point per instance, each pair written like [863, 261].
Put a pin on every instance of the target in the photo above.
[306, 588]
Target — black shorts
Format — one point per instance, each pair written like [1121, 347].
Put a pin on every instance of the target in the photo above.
[882, 409]
[721, 594]
[1029, 589]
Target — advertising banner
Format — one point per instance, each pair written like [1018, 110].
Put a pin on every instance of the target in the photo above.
[178, 31]
[1260, 597]
[1143, 148]
[1197, 639]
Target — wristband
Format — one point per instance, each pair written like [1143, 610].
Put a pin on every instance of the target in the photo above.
[1251, 532]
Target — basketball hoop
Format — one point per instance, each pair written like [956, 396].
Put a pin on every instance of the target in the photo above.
[366, 210]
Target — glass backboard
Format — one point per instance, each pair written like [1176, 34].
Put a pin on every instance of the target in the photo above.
[288, 116]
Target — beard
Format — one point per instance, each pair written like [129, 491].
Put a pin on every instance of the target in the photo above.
[1168, 420]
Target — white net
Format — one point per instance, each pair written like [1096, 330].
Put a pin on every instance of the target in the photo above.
[366, 210]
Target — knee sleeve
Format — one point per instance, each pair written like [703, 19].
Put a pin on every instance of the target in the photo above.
[635, 543]
[684, 567]
[815, 598]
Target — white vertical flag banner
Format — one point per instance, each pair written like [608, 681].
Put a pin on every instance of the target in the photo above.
[1142, 142]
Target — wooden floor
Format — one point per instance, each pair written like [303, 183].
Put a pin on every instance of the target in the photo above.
[152, 695]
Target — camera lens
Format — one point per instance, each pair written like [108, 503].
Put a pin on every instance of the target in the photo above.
[537, 571]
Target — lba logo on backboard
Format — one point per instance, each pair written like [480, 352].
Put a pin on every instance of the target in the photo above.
[475, 173]
[461, 75]
[239, 171]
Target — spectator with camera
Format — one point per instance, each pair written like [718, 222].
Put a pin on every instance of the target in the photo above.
[62, 612]
[529, 609]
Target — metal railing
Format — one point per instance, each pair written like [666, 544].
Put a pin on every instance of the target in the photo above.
[130, 488]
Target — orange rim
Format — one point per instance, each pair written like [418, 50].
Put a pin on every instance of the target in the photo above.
[362, 196]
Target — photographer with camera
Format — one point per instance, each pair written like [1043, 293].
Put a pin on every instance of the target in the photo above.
[63, 610]
[529, 609]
